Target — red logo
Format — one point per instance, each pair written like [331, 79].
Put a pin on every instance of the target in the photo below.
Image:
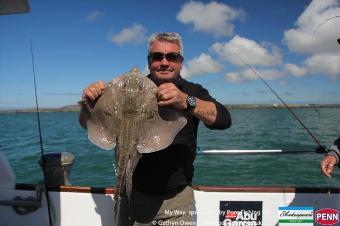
[231, 215]
[327, 216]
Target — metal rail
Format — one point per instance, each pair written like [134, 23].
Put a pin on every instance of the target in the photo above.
[252, 152]
[23, 206]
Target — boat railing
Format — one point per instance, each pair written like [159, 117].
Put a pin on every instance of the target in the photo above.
[27, 205]
[200, 151]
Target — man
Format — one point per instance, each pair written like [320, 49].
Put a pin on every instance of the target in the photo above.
[331, 159]
[162, 192]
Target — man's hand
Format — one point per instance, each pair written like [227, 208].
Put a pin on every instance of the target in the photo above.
[90, 94]
[169, 94]
[327, 165]
[93, 91]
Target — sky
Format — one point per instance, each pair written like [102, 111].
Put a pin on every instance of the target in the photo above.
[292, 44]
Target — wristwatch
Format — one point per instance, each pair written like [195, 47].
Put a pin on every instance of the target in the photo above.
[191, 103]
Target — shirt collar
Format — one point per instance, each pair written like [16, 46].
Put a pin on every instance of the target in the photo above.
[177, 81]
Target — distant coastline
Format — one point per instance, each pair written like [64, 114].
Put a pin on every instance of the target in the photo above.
[75, 108]
[68, 108]
[315, 106]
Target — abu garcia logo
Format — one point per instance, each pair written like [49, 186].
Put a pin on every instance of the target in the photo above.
[240, 213]
[242, 218]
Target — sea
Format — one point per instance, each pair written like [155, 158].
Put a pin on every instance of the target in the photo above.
[252, 129]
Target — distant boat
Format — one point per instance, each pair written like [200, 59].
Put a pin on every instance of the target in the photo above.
[317, 107]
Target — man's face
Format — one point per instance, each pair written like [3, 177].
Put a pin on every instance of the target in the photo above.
[164, 69]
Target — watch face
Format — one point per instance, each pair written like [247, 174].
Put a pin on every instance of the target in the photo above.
[191, 101]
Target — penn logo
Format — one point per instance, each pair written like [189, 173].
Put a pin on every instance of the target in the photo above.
[327, 216]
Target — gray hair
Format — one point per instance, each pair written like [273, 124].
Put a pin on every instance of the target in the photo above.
[167, 37]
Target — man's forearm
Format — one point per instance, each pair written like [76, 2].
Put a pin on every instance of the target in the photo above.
[83, 116]
[206, 111]
[335, 152]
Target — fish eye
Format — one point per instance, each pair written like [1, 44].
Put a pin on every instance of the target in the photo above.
[124, 83]
[140, 84]
[107, 113]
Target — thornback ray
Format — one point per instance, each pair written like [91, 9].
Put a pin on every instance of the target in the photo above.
[127, 117]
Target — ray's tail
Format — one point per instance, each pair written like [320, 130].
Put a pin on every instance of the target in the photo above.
[119, 198]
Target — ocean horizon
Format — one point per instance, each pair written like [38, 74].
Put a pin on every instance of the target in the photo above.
[75, 107]
[252, 129]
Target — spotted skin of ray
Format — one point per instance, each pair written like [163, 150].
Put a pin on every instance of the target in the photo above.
[126, 117]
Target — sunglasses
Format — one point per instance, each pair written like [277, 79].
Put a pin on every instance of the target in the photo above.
[171, 57]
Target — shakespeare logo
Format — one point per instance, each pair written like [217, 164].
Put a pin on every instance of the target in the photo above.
[238, 213]
[296, 215]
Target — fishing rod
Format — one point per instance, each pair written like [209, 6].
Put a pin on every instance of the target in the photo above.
[321, 148]
[40, 139]
[323, 22]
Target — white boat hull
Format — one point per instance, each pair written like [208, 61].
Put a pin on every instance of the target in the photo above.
[84, 206]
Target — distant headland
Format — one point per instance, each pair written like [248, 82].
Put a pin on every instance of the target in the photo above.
[315, 106]
[76, 107]
[68, 108]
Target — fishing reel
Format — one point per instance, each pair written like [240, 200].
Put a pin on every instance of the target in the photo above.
[322, 149]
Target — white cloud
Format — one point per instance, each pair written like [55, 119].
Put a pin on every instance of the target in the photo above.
[210, 18]
[185, 72]
[250, 51]
[315, 31]
[146, 70]
[324, 63]
[95, 15]
[295, 70]
[248, 75]
[283, 82]
[132, 35]
[203, 64]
